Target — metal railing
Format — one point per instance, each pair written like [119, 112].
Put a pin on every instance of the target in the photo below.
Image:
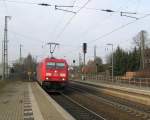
[142, 83]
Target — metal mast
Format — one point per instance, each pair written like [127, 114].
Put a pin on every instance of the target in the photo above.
[80, 59]
[5, 50]
[95, 52]
[21, 53]
[112, 72]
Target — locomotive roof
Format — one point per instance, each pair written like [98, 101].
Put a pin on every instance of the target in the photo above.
[53, 59]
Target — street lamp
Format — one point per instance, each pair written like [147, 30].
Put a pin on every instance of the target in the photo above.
[112, 61]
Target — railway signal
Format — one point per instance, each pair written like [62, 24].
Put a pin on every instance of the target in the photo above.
[84, 47]
[74, 61]
[84, 51]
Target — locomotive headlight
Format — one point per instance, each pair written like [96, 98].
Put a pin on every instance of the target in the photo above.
[46, 78]
[62, 74]
[63, 79]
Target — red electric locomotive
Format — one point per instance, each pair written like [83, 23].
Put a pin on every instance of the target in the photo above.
[52, 73]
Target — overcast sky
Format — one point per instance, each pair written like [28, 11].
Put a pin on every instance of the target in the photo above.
[33, 26]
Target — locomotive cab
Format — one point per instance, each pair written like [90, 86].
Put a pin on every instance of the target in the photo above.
[54, 73]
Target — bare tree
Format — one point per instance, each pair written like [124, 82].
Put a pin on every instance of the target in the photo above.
[142, 41]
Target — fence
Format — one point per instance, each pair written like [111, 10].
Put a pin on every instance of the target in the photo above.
[129, 82]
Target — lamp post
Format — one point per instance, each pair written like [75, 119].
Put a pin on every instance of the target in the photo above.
[112, 61]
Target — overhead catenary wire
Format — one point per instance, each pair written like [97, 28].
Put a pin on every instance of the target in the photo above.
[107, 10]
[102, 21]
[91, 28]
[56, 7]
[63, 6]
[59, 7]
[25, 36]
[18, 35]
[45, 4]
[38, 40]
[19, 2]
[62, 18]
[74, 6]
[109, 32]
[118, 28]
[70, 20]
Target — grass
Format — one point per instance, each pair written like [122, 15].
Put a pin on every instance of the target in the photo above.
[4, 83]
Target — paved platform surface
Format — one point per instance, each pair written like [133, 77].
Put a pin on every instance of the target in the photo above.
[27, 101]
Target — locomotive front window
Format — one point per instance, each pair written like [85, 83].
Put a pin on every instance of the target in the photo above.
[50, 65]
[55, 65]
[60, 65]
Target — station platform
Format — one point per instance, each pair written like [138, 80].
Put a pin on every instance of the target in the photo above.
[133, 94]
[20, 100]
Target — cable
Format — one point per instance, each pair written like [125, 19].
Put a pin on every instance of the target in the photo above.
[69, 21]
[38, 40]
[119, 28]
[20, 2]
[91, 28]
[62, 18]
[25, 36]
[108, 10]
[66, 25]
[95, 26]
[53, 5]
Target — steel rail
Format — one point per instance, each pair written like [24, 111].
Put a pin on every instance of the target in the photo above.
[82, 106]
[144, 115]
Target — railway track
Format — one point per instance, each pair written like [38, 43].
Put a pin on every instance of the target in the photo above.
[77, 110]
[96, 91]
[142, 114]
[85, 103]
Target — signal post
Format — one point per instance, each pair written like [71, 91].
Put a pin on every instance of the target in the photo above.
[84, 53]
